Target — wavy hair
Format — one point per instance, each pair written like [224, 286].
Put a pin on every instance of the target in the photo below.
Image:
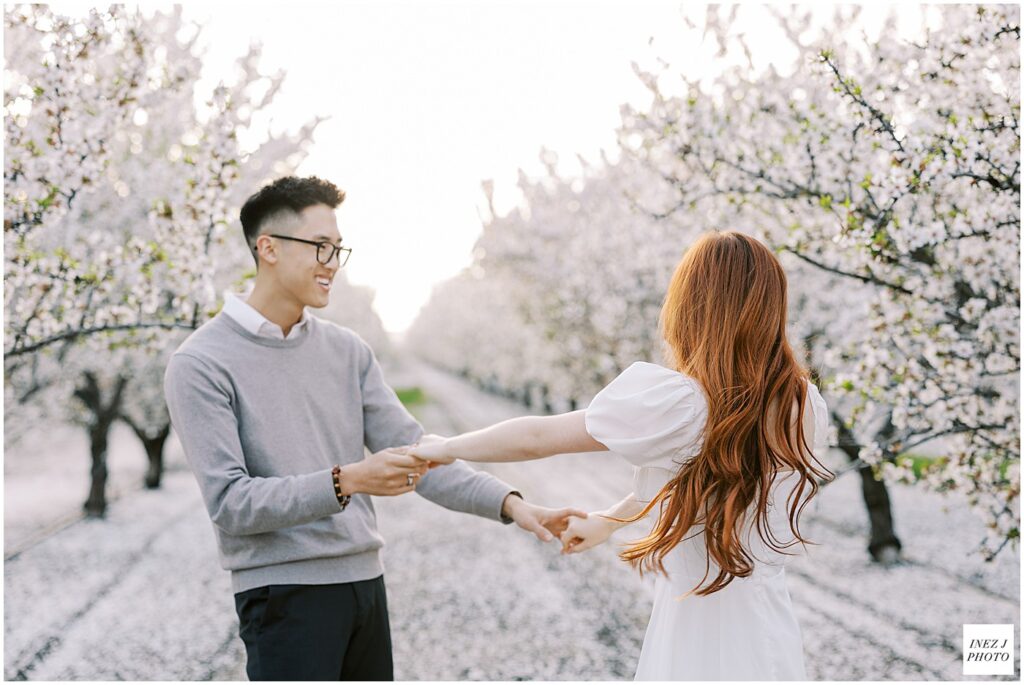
[724, 322]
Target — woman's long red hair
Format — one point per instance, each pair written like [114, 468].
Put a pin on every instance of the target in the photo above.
[724, 321]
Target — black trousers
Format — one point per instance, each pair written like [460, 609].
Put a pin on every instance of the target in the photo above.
[316, 632]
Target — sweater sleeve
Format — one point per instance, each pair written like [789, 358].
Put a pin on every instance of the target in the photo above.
[201, 413]
[387, 423]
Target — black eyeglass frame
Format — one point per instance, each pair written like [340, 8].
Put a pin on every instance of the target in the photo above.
[335, 249]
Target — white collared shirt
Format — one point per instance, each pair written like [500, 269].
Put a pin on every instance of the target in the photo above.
[236, 306]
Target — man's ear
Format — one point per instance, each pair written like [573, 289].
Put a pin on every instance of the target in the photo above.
[265, 249]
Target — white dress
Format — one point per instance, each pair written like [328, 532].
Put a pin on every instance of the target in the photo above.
[653, 416]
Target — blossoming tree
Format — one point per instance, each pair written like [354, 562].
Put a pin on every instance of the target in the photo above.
[896, 170]
[886, 178]
[120, 213]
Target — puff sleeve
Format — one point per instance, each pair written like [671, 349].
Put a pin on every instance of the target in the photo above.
[822, 420]
[649, 413]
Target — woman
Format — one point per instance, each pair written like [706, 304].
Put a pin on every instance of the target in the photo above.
[722, 442]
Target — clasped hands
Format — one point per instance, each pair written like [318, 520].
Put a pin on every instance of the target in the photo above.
[391, 471]
[397, 470]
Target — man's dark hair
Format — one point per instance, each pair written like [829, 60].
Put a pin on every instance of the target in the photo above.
[286, 195]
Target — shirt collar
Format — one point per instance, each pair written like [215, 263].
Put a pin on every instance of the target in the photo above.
[237, 307]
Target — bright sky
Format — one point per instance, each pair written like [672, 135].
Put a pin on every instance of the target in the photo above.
[427, 99]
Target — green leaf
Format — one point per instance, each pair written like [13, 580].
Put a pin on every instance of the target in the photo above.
[48, 200]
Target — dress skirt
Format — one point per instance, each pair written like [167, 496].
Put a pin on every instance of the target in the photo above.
[748, 631]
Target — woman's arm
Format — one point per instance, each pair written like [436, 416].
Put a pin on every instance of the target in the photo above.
[519, 439]
[626, 509]
[582, 534]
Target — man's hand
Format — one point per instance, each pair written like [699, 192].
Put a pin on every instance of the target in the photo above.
[545, 523]
[582, 534]
[382, 473]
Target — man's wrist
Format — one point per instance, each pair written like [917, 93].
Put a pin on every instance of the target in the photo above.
[508, 504]
[349, 477]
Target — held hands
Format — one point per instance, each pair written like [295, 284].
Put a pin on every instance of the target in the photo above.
[388, 472]
[545, 523]
[583, 533]
[431, 448]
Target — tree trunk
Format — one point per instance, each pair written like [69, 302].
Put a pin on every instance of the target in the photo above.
[883, 544]
[154, 450]
[155, 455]
[96, 503]
[102, 416]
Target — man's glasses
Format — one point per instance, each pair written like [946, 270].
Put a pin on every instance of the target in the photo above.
[325, 251]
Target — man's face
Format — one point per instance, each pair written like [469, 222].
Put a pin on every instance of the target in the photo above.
[298, 272]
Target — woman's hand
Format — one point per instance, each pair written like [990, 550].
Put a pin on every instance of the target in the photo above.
[545, 523]
[432, 448]
[582, 534]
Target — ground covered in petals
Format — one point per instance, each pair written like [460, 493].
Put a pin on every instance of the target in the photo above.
[141, 596]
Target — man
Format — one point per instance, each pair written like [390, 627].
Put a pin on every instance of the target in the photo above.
[273, 407]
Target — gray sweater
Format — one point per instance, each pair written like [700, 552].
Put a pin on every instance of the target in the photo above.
[262, 421]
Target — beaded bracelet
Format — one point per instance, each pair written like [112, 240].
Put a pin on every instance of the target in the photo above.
[343, 500]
